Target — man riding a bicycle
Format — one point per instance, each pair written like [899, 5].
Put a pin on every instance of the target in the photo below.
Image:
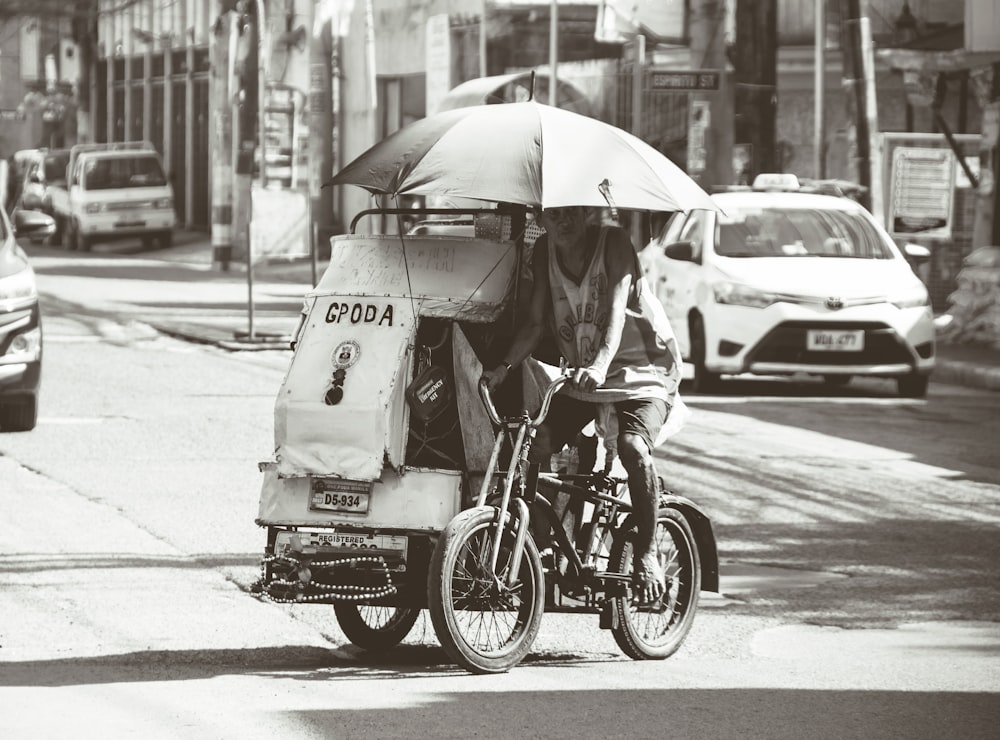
[589, 293]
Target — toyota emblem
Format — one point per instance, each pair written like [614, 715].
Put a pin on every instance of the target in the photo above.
[834, 304]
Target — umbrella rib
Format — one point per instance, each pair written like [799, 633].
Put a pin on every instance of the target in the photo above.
[485, 278]
[406, 264]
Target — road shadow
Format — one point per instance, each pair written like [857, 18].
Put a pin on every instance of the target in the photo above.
[720, 714]
[915, 427]
[897, 570]
[287, 662]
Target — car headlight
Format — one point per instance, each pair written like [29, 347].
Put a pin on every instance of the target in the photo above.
[25, 347]
[93, 207]
[163, 203]
[19, 286]
[738, 294]
[910, 298]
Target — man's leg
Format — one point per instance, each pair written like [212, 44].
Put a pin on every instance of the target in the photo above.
[639, 424]
[638, 462]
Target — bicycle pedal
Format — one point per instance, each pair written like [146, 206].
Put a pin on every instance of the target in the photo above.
[609, 617]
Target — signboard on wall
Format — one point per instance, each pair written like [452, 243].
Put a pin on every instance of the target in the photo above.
[921, 191]
[699, 119]
[921, 175]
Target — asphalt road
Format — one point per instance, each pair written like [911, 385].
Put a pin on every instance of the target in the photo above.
[858, 534]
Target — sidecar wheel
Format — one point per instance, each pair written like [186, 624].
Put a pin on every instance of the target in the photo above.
[375, 627]
[484, 627]
[656, 631]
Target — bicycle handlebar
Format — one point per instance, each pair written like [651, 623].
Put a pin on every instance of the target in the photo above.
[491, 409]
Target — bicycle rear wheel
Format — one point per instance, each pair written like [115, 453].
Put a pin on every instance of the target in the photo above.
[375, 627]
[656, 631]
[484, 625]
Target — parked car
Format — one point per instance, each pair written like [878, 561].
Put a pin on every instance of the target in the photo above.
[45, 170]
[114, 191]
[20, 324]
[789, 280]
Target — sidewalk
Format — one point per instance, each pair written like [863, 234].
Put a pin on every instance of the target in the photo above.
[967, 365]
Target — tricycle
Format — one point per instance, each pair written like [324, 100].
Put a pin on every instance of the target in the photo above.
[398, 482]
[397, 485]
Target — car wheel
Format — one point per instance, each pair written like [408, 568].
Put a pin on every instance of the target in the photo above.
[72, 237]
[913, 386]
[57, 236]
[704, 380]
[83, 243]
[19, 415]
[837, 380]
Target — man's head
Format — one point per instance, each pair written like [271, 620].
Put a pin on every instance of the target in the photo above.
[566, 224]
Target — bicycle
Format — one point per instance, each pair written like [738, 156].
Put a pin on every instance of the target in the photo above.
[488, 586]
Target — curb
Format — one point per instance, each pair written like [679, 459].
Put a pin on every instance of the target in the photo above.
[227, 340]
[972, 375]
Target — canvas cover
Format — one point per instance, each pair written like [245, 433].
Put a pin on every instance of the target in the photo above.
[342, 408]
[449, 276]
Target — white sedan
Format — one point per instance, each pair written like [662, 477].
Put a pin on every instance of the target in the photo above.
[788, 280]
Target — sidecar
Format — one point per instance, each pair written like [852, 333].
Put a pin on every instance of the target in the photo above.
[379, 431]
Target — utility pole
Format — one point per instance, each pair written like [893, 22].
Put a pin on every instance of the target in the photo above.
[754, 76]
[860, 65]
[244, 120]
[708, 51]
[321, 124]
[819, 83]
[554, 53]
[222, 143]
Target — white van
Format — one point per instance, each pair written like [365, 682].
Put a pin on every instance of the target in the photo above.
[115, 191]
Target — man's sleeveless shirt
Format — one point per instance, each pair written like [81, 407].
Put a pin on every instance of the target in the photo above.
[647, 364]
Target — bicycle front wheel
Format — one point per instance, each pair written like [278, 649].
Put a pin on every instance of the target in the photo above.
[656, 631]
[483, 624]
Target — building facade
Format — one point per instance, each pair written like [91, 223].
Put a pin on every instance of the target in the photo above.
[339, 75]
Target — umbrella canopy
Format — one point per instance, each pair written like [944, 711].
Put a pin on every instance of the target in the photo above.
[526, 153]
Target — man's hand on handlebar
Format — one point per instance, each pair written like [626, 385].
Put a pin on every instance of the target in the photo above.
[494, 377]
[581, 378]
[587, 378]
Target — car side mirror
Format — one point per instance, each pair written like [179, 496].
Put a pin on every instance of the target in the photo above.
[683, 251]
[916, 253]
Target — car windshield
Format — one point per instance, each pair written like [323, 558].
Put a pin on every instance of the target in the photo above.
[798, 232]
[105, 173]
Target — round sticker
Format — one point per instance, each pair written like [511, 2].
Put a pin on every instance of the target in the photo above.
[346, 354]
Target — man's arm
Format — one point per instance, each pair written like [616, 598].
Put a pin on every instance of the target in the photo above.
[528, 333]
[619, 259]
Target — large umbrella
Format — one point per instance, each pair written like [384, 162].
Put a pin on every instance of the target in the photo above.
[526, 153]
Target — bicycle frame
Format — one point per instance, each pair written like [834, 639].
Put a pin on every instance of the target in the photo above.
[593, 493]
[520, 431]
[486, 597]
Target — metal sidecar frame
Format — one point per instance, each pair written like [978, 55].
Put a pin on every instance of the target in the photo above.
[361, 483]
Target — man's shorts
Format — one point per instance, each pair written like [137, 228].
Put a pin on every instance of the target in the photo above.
[642, 416]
